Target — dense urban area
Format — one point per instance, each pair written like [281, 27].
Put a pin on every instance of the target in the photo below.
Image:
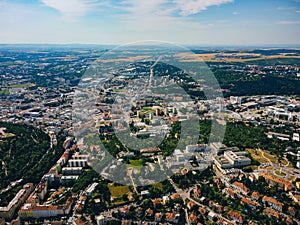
[50, 174]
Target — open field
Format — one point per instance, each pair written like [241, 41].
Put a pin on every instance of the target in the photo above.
[262, 156]
[135, 162]
[118, 191]
[4, 90]
[251, 58]
[125, 59]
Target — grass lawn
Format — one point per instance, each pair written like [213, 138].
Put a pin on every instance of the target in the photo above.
[280, 174]
[257, 155]
[5, 89]
[158, 186]
[118, 191]
[135, 162]
[119, 91]
[271, 157]
[250, 167]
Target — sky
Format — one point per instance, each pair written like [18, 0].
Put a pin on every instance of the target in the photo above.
[192, 22]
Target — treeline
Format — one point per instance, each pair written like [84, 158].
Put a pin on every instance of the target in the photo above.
[265, 86]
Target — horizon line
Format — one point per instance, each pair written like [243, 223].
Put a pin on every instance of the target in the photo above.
[187, 45]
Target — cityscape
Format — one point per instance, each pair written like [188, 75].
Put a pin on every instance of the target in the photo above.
[176, 131]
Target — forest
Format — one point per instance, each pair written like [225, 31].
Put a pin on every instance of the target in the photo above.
[25, 154]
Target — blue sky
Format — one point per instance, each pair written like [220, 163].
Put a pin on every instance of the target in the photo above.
[203, 22]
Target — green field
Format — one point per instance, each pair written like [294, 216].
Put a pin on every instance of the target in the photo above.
[158, 186]
[118, 191]
[280, 173]
[135, 163]
[274, 61]
[4, 90]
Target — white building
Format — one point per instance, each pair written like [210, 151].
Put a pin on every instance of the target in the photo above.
[179, 155]
[237, 159]
[296, 137]
[72, 170]
[196, 148]
[235, 100]
[78, 163]
[232, 159]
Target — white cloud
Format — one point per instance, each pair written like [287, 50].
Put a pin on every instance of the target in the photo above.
[161, 14]
[185, 7]
[189, 7]
[71, 9]
[142, 7]
[286, 22]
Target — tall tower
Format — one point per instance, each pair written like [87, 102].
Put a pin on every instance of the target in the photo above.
[151, 77]
[151, 80]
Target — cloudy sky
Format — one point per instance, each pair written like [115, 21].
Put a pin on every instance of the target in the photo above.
[203, 22]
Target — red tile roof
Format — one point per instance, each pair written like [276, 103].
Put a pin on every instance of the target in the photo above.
[241, 186]
[249, 202]
[272, 200]
[236, 216]
[284, 183]
[255, 195]
[271, 213]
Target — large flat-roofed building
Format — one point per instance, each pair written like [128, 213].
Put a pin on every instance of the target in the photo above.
[78, 163]
[196, 148]
[237, 159]
[67, 180]
[232, 159]
[72, 170]
[179, 155]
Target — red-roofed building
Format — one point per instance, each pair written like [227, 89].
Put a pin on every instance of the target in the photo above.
[291, 211]
[193, 218]
[175, 196]
[235, 216]
[272, 213]
[197, 192]
[156, 201]
[172, 217]
[202, 210]
[157, 217]
[149, 212]
[211, 203]
[255, 195]
[252, 223]
[250, 203]
[289, 220]
[191, 204]
[229, 192]
[272, 202]
[275, 180]
[241, 187]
